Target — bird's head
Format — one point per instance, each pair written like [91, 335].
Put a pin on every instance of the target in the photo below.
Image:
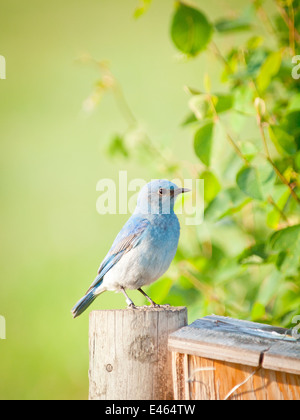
[158, 197]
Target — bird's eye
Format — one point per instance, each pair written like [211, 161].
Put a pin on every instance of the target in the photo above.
[160, 191]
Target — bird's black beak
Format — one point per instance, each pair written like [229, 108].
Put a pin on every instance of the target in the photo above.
[181, 191]
[184, 190]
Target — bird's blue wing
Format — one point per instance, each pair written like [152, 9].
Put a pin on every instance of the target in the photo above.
[128, 238]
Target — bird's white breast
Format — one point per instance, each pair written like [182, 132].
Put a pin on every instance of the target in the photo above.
[145, 263]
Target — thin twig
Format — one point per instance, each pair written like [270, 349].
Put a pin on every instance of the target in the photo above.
[123, 105]
[272, 202]
[237, 149]
[229, 138]
[288, 20]
[265, 18]
[242, 383]
[125, 110]
[292, 28]
[270, 160]
[203, 369]
[220, 56]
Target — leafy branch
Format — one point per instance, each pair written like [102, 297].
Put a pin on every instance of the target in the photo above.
[244, 258]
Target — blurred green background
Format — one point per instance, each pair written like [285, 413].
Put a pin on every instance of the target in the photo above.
[52, 156]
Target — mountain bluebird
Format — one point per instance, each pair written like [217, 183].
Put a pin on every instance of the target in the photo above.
[143, 250]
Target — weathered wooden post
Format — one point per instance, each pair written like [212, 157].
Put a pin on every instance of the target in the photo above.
[129, 357]
[222, 358]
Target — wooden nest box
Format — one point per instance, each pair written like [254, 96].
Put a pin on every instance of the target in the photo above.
[218, 358]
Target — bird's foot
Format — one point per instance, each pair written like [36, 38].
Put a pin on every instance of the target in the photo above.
[132, 306]
[156, 305]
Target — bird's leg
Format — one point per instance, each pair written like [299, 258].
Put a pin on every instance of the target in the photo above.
[155, 305]
[128, 300]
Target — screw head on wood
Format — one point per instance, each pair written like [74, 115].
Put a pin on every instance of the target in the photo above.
[109, 367]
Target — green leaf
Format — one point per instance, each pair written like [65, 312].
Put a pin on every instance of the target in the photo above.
[211, 185]
[275, 215]
[294, 104]
[267, 178]
[190, 30]
[290, 123]
[285, 239]
[203, 142]
[224, 102]
[248, 181]
[189, 119]
[254, 42]
[282, 140]
[226, 203]
[199, 105]
[117, 147]
[193, 91]
[249, 150]
[144, 6]
[256, 254]
[297, 160]
[231, 25]
[255, 61]
[269, 287]
[256, 182]
[243, 100]
[202, 108]
[258, 311]
[268, 70]
[286, 243]
[240, 23]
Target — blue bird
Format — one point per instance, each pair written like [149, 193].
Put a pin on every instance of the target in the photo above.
[143, 250]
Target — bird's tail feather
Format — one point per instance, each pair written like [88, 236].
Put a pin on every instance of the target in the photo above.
[84, 303]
